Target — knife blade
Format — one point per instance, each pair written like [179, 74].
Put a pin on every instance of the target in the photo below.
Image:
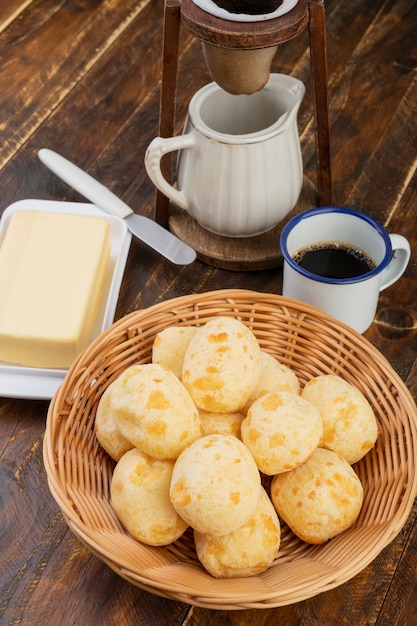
[145, 229]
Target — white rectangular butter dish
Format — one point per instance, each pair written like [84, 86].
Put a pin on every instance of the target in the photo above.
[38, 383]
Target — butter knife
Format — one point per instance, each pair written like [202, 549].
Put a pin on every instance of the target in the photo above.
[145, 229]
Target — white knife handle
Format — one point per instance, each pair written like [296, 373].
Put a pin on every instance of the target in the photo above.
[84, 183]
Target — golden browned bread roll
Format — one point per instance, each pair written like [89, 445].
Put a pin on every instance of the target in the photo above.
[274, 377]
[140, 497]
[222, 365]
[170, 345]
[220, 423]
[107, 431]
[154, 411]
[281, 430]
[319, 499]
[249, 550]
[215, 484]
[349, 424]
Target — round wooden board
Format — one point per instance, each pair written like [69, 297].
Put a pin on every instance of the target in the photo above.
[249, 253]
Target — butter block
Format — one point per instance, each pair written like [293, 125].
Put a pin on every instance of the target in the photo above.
[52, 270]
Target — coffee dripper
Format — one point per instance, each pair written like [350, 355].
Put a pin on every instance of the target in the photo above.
[231, 48]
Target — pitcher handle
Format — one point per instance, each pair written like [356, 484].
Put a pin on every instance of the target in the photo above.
[156, 150]
[398, 264]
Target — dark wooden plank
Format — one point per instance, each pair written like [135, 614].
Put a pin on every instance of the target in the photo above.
[366, 48]
[10, 11]
[365, 90]
[45, 54]
[386, 190]
[115, 110]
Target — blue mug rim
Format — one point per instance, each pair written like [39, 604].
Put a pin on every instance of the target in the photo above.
[335, 209]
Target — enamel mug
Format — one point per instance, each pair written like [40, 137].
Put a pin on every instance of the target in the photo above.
[351, 300]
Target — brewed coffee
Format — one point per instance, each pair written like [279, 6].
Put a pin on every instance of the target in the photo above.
[249, 7]
[334, 260]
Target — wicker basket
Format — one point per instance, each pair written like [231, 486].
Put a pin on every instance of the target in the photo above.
[311, 343]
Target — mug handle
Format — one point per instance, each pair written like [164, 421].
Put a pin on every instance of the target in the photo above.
[156, 150]
[396, 267]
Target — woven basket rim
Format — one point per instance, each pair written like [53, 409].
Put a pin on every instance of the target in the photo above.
[81, 490]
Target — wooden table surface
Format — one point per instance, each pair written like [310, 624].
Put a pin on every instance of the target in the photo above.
[82, 77]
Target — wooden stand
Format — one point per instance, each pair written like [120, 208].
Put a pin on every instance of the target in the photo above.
[213, 249]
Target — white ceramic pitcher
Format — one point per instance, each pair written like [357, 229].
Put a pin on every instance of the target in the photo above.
[239, 170]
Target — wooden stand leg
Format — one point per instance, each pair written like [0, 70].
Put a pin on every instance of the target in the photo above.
[317, 27]
[168, 97]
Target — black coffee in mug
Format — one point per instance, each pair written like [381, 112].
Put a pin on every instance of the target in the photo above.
[334, 260]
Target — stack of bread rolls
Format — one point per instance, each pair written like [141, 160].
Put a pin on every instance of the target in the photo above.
[196, 432]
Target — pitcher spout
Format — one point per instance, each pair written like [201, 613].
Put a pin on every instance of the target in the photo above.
[291, 91]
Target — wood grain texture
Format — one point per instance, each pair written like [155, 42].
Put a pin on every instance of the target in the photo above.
[83, 78]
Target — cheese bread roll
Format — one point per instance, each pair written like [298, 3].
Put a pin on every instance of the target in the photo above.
[215, 484]
[140, 497]
[281, 430]
[170, 345]
[107, 431]
[275, 376]
[349, 424]
[154, 411]
[319, 499]
[220, 423]
[222, 365]
[249, 550]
